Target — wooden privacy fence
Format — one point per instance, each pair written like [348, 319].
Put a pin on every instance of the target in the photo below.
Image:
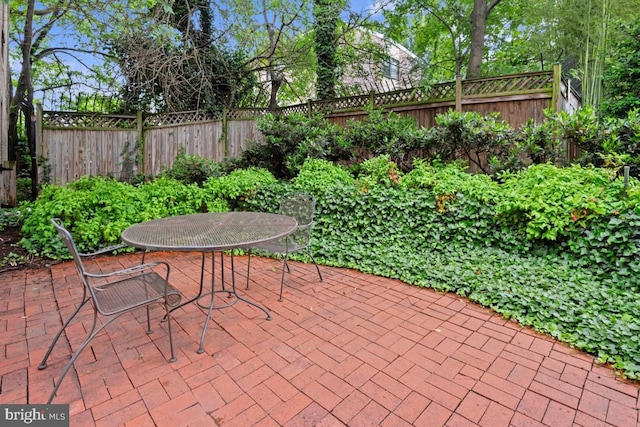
[76, 144]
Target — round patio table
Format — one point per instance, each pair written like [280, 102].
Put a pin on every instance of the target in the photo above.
[211, 232]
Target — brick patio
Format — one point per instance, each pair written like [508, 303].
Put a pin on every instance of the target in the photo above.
[353, 350]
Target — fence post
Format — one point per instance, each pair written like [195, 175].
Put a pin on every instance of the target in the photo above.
[141, 143]
[556, 96]
[459, 93]
[372, 99]
[41, 153]
[224, 134]
[309, 109]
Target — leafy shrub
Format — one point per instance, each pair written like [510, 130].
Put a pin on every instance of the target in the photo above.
[169, 197]
[290, 140]
[317, 175]
[450, 179]
[386, 133]
[94, 209]
[583, 129]
[190, 169]
[545, 200]
[225, 192]
[603, 142]
[378, 171]
[536, 143]
[97, 210]
[486, 141]
[471, 135]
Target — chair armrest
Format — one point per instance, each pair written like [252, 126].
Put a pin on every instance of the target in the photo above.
[303, 226]
[104, 250]
[131, 270]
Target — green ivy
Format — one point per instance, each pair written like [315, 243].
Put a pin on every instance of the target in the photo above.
[317, 174]
[223, 193]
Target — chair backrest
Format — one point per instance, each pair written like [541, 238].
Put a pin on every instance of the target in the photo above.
[301, 206]
[68, 240]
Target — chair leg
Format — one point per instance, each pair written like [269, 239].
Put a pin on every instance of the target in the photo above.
[43, 364]
[248, 268]
[92, 333]
[168, 310]
[149, 331]
[284, 265]
[315, 263]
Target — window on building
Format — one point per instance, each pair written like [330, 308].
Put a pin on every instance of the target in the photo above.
[390, 68]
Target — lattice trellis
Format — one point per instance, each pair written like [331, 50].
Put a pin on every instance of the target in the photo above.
[409, 96]
[396, 97]
[179, 118]
[443, 91]
[351, 102]
[507, 84]
[247, 113]
[324, 107]
[88, 120]
[294, 109]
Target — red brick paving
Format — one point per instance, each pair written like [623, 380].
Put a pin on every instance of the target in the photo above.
[353, 350]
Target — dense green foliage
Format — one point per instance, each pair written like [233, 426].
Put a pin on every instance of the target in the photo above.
[290, 140]
[553, 248]
[622, 76]
[193, 169]
[97, 209]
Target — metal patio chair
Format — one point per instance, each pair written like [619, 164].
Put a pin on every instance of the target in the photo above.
[114, 294]
[301, 206]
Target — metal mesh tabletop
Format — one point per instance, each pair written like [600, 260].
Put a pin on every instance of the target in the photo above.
[208, 231]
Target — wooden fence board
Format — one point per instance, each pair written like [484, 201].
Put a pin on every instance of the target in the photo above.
[162, 145]
[74, 153]
[240, 134]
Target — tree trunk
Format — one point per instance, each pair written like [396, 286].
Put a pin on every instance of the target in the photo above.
[5, 81]
[276, 81]
[326, 13]
[478, 18]
[22, 101]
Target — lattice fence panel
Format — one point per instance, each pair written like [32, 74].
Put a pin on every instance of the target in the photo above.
[443, 91]
[294, 109]
[340, 104]
[323, 107]
[184, 117]
[88, 120]
[398, 97]
[247, 113]
[525, 82]
[352, 102]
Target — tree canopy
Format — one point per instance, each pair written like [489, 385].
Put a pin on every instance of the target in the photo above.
[622, 76]
[269, 52]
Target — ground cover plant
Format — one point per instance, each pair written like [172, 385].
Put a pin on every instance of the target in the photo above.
[552, 248]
